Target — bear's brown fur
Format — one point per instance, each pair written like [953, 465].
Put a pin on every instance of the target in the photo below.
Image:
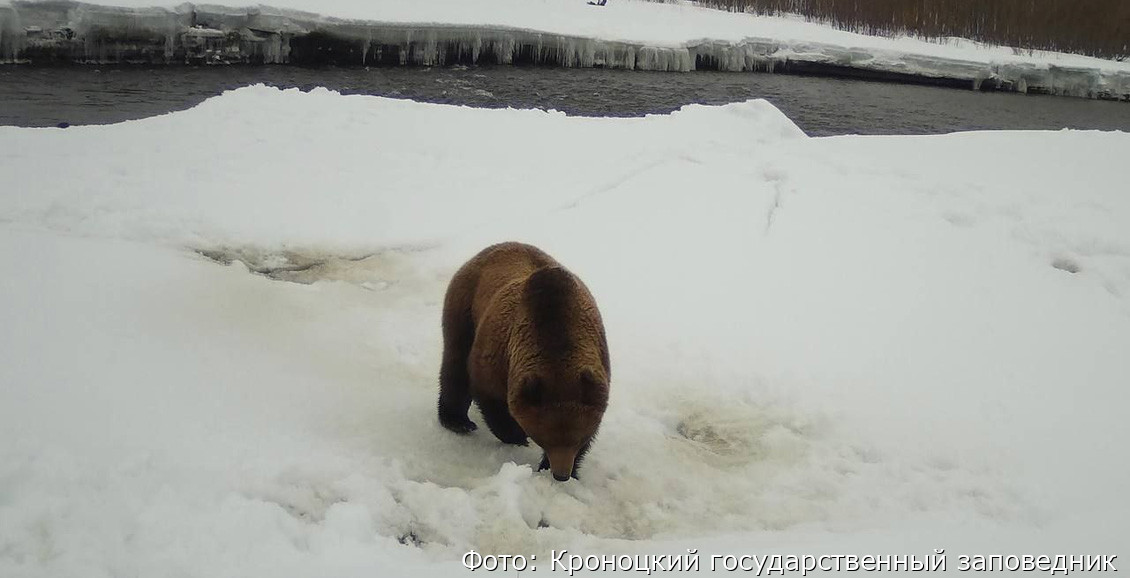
[523, 339]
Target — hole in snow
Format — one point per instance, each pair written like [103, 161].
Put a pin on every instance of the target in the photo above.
[373, 271]
[410, 539]
[745, 433]
[293, 266]
[1067, 264]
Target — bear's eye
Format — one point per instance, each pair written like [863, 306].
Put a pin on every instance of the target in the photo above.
[589, 377]
[532, 392]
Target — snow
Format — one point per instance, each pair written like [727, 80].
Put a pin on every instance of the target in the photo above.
[860, 345]
[652, 23]
[631, 34]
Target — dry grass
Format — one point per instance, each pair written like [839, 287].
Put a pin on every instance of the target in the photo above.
[1094, 27]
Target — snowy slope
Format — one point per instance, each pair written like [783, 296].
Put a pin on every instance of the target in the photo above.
[865, 345]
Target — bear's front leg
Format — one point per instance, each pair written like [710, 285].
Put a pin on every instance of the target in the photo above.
[501, 423]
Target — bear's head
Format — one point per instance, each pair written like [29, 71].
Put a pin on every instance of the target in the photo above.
[558, 387]
[561, 411]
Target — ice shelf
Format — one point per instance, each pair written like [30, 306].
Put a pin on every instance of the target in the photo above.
[41, 32]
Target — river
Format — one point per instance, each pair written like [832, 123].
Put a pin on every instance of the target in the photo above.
[77, 95]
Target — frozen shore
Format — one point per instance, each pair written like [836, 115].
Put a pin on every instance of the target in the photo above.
[628, 35]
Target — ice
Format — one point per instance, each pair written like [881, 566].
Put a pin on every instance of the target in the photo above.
[12, 33]
[630, 35]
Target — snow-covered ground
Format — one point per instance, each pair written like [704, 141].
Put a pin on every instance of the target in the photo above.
[850, 345]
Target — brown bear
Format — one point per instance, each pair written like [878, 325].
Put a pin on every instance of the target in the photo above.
[523, 339]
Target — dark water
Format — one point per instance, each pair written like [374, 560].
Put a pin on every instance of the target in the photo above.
[821, 106]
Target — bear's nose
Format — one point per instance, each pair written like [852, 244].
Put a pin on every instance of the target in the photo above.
[561, 478]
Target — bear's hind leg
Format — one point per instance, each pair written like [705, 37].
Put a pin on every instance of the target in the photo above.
[501, 424]
[454, 380]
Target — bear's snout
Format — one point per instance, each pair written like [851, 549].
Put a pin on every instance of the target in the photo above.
[561, 461]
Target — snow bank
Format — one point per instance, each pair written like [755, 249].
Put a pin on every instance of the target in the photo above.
[654, 23]
[872, 345]
[628, 34]
[172, 179]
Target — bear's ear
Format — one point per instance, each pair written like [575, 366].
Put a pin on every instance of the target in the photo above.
[594, 389]
[591, 377]
[531, 391]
